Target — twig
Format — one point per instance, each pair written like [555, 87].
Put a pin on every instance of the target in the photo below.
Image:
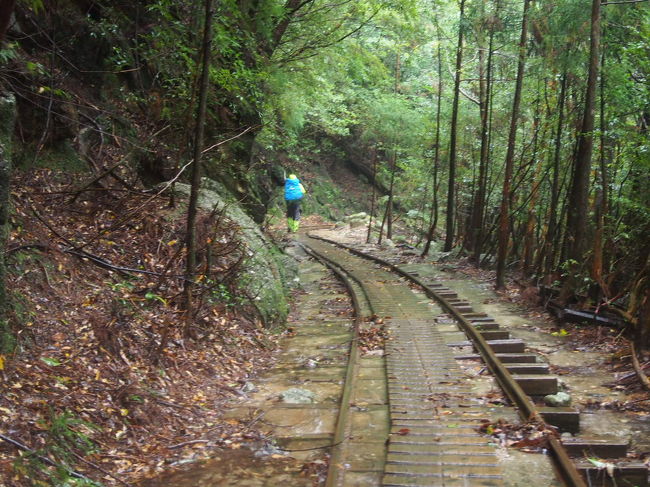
[38, 246]
[162, 190]
[96, 179]
[637, 367]
[52, 463]
[332, 445]
[192, 442]
[623, 1]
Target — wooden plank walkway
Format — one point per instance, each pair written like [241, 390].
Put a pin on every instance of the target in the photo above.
[434, 413]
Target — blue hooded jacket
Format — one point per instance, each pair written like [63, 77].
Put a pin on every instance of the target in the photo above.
[293, 190]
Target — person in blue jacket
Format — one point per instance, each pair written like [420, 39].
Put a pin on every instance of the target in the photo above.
[293, 193]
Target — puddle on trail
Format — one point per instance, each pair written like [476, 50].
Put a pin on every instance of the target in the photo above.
[311, 362]
[242, 468]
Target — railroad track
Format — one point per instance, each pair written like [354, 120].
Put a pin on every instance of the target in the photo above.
[434, 410]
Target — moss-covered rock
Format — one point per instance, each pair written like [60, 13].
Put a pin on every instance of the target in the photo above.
[268, 270]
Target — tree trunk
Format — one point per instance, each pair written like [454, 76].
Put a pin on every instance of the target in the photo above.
[7, 119]
[528, 251]
[504, 215]
[6, 9]
[190, 237]
[602, 202]
[453, 135]
[549, 243]
[436, 163]
[479, 202]
[388, 213]
[374, 193]
[391, 193]
[576, 228]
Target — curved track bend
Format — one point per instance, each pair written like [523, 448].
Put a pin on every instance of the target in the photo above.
[433, 408]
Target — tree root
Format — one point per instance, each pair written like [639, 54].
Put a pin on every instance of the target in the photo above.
[638, 369]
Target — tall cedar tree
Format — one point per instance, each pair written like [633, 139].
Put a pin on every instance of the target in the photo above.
[453, 135]
[576, 226]
[504, 215]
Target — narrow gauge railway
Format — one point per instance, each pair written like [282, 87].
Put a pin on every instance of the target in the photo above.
[434, 409]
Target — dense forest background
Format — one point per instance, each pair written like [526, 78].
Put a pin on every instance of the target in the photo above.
[514, 132]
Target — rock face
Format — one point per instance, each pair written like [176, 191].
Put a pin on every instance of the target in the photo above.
[267, 268]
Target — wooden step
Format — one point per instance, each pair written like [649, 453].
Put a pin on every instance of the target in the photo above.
[495, 334]
[465, 308]
[565, 419]
[624, 474]
[487, 325]
[471, 316]
[517, 358]
[512, 345]
[598, 447]
[525, 369]
[537, 385]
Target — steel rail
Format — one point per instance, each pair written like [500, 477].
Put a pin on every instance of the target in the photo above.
[343, 425]
[566, 469]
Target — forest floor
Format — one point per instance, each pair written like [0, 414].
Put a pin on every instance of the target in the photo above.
[90, 390]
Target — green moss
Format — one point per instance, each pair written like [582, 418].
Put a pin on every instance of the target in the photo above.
[62, 157]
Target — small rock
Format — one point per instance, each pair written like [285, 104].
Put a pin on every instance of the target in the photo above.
[561, 399]
[374, 353]
[358, 223]
[249, 387]
[311, 363]
[298, 396]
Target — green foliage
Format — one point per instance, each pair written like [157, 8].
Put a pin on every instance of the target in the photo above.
[8, 53]
[65, 438]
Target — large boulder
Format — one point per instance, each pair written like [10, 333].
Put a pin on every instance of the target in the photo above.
[267, 268]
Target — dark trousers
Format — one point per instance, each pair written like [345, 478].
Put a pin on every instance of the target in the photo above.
[293, 210]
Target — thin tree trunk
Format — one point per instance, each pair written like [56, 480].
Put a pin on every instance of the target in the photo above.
[453, 135]
[388, 212]
[479, 205]
[192, 210]
[528, 251]
[6, 9]
[602, 202]
[7, 119]
[576, 227]
[389, 208]
[550, 256]
[391, 194]
[504, 216]
[374, 193]
[436, 164]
